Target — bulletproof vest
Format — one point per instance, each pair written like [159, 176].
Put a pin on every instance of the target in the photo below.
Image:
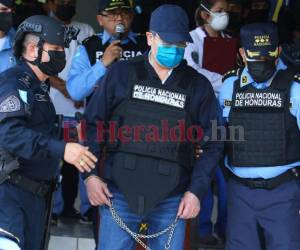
[95, 49]
[265, 132]
[147, 167]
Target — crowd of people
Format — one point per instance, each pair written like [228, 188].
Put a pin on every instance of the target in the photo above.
[212, 64]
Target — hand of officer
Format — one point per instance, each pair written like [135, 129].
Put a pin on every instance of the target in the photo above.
[80, 157]
[112, 53]
[189, 206]
[98, 192]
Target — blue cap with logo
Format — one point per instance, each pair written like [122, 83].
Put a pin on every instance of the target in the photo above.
[171, 23]
[260, 41]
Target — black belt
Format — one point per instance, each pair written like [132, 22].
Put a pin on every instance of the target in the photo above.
[269, 184]
[39, 188]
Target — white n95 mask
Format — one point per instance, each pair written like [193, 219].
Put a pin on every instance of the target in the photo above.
[219, 21]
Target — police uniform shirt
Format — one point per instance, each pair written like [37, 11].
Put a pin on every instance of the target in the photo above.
[2, 42]
[27, 127]
[83, 76]
[113, 89]
[7, 59]
[225, 100]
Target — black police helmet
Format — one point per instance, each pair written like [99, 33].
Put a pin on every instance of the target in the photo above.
[47, 29]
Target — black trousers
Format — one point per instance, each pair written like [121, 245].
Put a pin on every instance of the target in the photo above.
[69, 186]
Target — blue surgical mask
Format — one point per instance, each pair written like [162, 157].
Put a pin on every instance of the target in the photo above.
[169, 56]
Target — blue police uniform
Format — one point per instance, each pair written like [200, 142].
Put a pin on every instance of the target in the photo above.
[28, 132]
[83, 74]
[7, 60]
[261, 217]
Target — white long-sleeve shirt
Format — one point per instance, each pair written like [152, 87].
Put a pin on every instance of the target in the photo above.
[63, 105]
[194, 56]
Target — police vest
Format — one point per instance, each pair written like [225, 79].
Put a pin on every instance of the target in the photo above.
[95, 49]
[146, 167]
[265, 133]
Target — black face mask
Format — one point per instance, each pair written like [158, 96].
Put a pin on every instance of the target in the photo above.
[56, 64]
[65, 12]
[261, 71]
[6, 21]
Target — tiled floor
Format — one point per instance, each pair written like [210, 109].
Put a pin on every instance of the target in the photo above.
[70, 235]
[68, 243]
[72, 228]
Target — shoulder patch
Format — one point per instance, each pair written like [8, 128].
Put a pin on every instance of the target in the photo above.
[23, 96]
[230, 74]
[297, 78]
[10, 104]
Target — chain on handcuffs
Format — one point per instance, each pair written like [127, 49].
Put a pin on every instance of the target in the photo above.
[137, 237]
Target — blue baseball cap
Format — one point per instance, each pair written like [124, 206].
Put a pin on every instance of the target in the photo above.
[171, 23]
[260, 40]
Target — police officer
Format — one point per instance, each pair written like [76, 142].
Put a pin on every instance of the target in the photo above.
[6, 35]
[116, 42]
[257, 10]
[30, 151]
[65, 10]
[152, 178]
[236, 10]
[290, 55]
[26, 8]
[261, 106]
[100, 51]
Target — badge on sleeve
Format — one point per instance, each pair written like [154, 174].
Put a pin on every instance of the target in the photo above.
[10, 104]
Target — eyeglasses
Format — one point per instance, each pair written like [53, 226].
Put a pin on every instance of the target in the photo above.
[114, 15]
[179, 44]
